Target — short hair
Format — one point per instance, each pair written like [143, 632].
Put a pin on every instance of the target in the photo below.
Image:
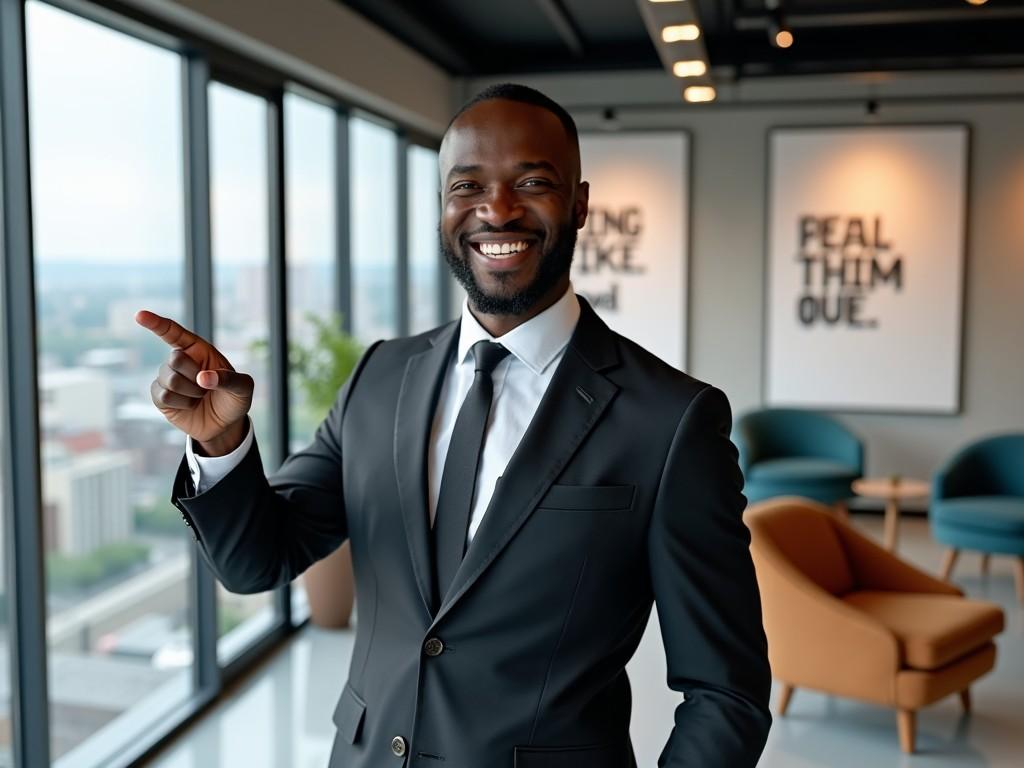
[525, 95]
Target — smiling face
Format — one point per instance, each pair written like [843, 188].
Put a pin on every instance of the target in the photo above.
[512, 203]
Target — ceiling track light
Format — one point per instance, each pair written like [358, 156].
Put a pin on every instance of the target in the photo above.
[779, 33]
[782, 37]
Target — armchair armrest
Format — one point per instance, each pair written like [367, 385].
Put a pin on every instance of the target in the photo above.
[952, 480]
[875, 567]
[844, 446]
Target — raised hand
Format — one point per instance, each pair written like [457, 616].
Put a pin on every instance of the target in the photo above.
[197, 390]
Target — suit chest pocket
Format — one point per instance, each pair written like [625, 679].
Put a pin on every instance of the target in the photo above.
[593, 498]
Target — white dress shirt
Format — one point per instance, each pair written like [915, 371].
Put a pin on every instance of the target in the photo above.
[520, 381]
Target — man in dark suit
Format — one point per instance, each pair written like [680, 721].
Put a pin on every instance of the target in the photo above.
[519, 486]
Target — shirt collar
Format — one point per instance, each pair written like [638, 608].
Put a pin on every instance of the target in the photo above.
[537, 342]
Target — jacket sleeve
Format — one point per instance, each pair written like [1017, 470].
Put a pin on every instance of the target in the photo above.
[706, 593]
[258, 534]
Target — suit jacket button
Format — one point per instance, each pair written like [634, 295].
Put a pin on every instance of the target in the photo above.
[398, 746]
[433, 647]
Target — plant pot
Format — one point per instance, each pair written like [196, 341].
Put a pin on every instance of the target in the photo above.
[330, 589]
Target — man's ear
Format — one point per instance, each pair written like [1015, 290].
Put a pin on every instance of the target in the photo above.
[582, 203]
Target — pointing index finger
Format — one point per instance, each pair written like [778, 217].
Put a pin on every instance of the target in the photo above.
[169, 331]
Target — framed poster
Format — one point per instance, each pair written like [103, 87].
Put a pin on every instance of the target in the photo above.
[632, 255]
[866, 233]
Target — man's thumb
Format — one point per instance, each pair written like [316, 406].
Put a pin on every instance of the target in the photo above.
[229, 381]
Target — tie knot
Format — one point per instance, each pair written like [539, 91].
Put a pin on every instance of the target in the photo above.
[487, 355]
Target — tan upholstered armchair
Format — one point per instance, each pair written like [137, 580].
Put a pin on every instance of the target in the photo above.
[847, 617]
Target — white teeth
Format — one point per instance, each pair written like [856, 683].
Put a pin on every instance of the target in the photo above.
[502, 249]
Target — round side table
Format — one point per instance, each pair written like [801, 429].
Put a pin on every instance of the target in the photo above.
[891, 490]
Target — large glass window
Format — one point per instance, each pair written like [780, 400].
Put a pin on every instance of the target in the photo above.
[106, 139]
[312, 260]
[239, 210]
[317, 355]
[374, 184]
[425, 268]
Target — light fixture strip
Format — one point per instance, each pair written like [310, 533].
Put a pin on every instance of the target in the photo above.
[678, 37]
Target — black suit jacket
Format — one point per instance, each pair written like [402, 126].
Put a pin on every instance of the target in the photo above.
[624, 490]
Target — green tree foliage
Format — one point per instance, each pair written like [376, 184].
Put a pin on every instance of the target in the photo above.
[81, 571]
[160, 518]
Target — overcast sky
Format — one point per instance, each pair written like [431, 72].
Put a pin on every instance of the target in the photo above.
[106, 155]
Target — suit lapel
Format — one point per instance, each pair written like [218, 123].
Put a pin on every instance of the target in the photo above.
[575, 399]
[414, 418]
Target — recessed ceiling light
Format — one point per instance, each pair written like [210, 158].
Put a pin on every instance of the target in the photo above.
[692, 68]
[977, 2]
[679, 32]
[698, 93]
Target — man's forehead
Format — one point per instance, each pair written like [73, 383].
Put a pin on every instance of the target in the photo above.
[505, 133]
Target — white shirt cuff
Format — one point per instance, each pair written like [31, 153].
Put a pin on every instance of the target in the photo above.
[207, 471]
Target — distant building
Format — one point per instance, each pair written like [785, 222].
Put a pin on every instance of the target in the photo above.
[75, 400]
[121, 314]
[87, 500]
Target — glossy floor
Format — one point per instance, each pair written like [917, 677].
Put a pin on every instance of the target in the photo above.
[280, 716]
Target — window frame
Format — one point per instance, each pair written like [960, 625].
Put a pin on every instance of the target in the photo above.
[23, 539]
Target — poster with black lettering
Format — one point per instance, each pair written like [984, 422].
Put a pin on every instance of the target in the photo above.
[631, 256]
[865, 261]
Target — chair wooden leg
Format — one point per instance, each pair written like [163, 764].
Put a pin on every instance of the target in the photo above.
[842, 510]
[965, 699]
[1018, 577]
[785, 694]
[907, 721]
[948, 562]
[984, 564]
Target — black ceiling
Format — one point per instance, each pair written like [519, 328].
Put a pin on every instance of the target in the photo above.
[487, 37]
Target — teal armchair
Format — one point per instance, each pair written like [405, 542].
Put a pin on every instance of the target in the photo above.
[978, 502]
[788, 452]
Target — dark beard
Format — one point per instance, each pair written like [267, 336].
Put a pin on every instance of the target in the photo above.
[554, 264]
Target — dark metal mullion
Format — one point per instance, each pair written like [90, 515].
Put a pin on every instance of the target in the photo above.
[402, 233]
[278, 304]
[199, 303]
[22, 502]
[342, 221]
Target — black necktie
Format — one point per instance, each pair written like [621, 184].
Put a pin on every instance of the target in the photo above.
[458, 480]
